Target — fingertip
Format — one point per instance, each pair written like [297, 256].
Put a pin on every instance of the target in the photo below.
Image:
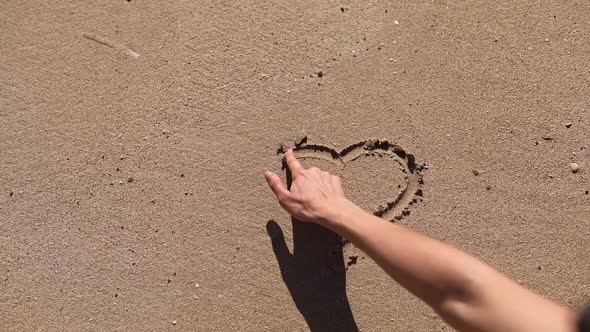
[292, 162]
[268, 175]
[275, 183]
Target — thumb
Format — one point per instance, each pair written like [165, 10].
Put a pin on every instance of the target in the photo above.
[276, 185]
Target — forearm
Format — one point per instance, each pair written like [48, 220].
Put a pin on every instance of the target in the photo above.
[428, 268]
[466, 292]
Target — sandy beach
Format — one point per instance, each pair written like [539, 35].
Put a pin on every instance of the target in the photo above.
[134, 136]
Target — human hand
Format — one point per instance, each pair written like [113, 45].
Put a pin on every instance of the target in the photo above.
[314, 195]
[314, 272]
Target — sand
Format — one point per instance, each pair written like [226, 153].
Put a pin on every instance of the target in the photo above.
[134, 135]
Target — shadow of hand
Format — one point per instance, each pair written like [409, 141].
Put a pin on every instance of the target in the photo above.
[315, 275]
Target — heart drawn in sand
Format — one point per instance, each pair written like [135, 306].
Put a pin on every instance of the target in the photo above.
[379, 176]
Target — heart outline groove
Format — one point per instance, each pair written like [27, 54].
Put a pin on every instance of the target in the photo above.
[393, 209]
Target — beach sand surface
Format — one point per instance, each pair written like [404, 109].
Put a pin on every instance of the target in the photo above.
[134, 136]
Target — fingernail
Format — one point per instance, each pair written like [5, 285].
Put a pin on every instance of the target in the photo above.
[268, 175]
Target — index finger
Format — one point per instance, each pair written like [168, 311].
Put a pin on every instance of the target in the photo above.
[294, 165]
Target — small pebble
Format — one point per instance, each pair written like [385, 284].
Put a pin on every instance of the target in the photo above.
[489, 187]
[173, 322]
[568, 124]
[396, 22]
[320, 73]
[475, 172]
[197, 285]
[575, 167]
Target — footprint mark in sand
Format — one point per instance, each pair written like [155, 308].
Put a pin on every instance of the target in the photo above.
[397, 204]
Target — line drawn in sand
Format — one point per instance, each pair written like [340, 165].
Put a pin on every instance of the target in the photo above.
[110, 44]
[394, 208]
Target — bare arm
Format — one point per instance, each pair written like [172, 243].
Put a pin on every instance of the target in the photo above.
[464, 291]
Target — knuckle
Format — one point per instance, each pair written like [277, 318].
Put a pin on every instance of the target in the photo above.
[283, 198]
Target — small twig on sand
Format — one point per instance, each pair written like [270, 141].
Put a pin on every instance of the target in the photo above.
[110, 44]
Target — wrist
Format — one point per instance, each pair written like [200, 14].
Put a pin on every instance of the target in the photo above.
[338, 213]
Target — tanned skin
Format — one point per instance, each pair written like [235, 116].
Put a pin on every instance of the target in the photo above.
[467, 293]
